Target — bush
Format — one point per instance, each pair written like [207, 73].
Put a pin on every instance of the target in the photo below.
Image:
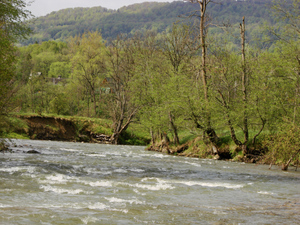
[284, 146]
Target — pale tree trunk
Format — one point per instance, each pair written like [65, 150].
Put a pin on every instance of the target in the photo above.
[244, 89]
[286, 165]
[119, 127]
[203, 59]
[296, 91]
[207, 123]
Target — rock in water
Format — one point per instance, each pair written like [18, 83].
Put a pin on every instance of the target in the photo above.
[33, 152]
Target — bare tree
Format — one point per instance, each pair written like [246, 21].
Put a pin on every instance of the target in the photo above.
[244, 88]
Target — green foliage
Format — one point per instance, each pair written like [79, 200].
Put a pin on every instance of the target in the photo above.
[59, 69]
[59, 105]
[284, 145]
[12, 127]
[12, 14]
[95, 125]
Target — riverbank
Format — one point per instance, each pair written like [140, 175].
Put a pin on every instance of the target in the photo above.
[91, 130]
[198, 149]
[261, 153]
[70, 129]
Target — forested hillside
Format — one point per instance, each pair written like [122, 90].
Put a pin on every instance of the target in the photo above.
[154, 16]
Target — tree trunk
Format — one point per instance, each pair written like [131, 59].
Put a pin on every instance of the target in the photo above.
[119, 127]
[88, 104]
[152, 136]
[166, 139]
[208, 129]
[114, 139]
[174, 128]
[286, 165]
[244, 89]
[232, 131]
[94, 101]
[296, 91]
[203, 60]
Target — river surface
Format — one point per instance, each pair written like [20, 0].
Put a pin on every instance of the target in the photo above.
[75, 183]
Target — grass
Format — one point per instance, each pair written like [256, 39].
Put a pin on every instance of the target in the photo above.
[13, 135]
[95, 125]
[136, 134]
[13, 127]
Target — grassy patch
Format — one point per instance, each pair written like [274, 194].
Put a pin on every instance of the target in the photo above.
[95, 125]
[14, 135]
[13, 127]
[136, 134]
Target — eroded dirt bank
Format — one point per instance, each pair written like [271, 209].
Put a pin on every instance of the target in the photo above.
[60, 129]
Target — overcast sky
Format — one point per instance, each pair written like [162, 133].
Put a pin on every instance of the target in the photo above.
[43, 7]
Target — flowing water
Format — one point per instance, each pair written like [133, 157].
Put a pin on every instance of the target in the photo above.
[75, 183]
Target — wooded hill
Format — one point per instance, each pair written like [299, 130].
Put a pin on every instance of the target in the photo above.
[145, 16]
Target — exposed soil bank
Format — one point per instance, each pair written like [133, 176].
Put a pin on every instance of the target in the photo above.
[67, 129]
[82, 130]
[60, 129]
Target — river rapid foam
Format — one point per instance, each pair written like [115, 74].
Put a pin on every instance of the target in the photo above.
[74, 183]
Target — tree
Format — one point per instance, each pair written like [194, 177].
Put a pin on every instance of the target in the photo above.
[60, 69]
[232, 79]
[178, 46]
[89, 63]
[150, 84]
[121, 69]
[289, 39]
[12, 27]
[205, 123]
[284, 146]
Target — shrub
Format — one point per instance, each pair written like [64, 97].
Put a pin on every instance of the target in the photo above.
[284, 146]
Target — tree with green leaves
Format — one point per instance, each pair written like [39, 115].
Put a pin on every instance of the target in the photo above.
[204, 121]
[178, 47]
[12, 27]
[89, 63]
[121, 55]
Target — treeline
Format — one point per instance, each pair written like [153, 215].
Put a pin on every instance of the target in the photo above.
[174, 81]
[145, 16]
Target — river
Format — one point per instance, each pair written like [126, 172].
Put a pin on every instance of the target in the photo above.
[76, 183]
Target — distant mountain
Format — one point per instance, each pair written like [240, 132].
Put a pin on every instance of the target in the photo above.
[155, 16]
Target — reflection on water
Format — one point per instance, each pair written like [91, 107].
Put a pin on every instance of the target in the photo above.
[73, 183]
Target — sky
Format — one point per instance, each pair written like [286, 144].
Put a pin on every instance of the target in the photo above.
[43, 7]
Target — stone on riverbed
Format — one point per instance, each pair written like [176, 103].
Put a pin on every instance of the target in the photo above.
[33, 152]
